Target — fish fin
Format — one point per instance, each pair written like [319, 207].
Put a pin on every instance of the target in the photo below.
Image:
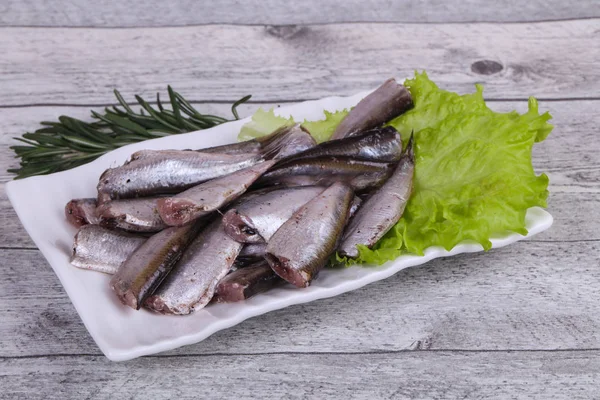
[274, 142]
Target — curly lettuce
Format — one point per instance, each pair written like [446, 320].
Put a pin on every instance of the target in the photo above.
[265, 122]
[473, 171]
[322, 130]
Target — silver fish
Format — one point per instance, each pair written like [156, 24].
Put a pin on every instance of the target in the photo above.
[386, 102]
[382, 210]
[152, 172]
[192, 283]
[144, 270]
[257, 217]
[134, 215]
[246, 282]
[324, 171]
[380, 144]
[247, 151]
[81, 212]
[100, 249]
[284, 141]
[302, 245]
[169, 171]
[209, 196]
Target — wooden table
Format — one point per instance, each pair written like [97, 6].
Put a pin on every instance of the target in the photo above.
[519, 322]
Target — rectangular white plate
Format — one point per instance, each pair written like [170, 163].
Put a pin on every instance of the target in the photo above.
[122, 333]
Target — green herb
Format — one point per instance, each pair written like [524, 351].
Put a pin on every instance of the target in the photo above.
[71, 142]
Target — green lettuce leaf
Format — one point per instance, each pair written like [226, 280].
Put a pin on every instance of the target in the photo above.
[473, 172]
[263, 123]
[323, 129]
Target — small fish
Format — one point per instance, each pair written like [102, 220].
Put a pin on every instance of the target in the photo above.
[134, 215]
[382, 210]
[302, 245]
[144, 270]
[246, 282]
[380, 144]
[100, 249]
[153, 172]
[209, 196]
[192, 283]
[257, 216]
[324, 171]
[81, 212]
[386, 102]
[168, 171]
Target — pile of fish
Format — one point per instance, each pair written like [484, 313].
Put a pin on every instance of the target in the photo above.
[178, 229]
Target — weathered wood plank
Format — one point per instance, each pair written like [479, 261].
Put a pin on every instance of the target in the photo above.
[530, 295]
[569, 156]
[82, 66]
[414, 375]
[157, 13]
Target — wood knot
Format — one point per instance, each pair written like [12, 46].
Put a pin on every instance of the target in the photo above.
[486, 67]
[424, 344]
[286, 31]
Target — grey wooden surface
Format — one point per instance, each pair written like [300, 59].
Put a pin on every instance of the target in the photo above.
[518, 322]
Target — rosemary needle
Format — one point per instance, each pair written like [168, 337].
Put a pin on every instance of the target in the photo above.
[70, 142]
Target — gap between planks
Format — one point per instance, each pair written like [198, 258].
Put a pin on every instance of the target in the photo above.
[313, 353]
[267, 102]
[266, 25]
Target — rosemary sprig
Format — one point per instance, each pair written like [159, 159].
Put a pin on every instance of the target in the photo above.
[70, 142]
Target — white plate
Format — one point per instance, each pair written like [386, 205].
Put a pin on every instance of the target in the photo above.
[122, 333]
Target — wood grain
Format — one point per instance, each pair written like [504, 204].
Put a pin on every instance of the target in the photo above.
[81, 66]
[271, 12]
[415, 375]
[518, 322]
[531, 295]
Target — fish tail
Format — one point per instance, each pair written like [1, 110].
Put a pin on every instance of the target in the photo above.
[272, 144]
